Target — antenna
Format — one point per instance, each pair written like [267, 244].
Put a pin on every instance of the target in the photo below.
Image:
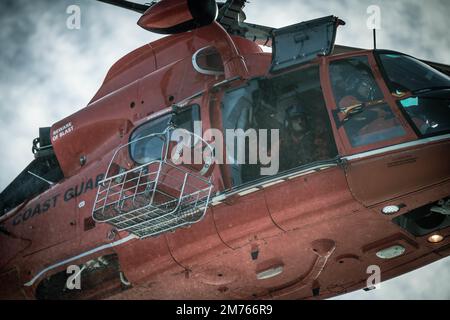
[374, 38]
[40, 178]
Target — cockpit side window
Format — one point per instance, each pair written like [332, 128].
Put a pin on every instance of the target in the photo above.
[144, 150]
[367, 118]
[353, 78]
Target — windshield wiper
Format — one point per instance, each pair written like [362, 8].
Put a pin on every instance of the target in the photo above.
[429, 89]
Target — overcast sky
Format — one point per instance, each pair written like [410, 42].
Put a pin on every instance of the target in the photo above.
[48, 71]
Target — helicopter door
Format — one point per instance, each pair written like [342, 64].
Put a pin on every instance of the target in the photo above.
[300, 43]
[372, 131]
[188, 246]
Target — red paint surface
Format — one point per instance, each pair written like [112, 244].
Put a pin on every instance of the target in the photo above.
[284, 223]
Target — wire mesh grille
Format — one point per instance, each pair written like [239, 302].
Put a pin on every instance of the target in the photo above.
[152, 198]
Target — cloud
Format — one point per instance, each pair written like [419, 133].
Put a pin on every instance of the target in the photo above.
[47, 72]
[429, 282]
[419, 28]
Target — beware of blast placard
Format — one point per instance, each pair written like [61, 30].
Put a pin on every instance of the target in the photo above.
[62, 131]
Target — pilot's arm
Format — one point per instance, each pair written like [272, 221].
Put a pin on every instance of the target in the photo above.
[348, 101]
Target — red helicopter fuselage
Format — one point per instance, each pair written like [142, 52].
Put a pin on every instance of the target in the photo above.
[306, 232]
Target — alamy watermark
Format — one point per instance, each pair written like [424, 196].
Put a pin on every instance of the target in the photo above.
[241, 147]
[73, 21]
[74, 279]
[374, 19]
[374, 280]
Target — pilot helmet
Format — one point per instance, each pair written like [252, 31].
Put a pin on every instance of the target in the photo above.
[362, 85]
[296, 118]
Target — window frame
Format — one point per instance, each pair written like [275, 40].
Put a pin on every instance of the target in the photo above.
[346, 147]
[315, 166]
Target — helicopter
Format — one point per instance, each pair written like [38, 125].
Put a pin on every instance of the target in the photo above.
[140, 196]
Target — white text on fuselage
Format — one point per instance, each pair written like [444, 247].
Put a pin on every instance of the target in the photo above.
[62, 131]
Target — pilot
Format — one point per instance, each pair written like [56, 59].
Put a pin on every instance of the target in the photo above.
[297, 139]
[359, 88]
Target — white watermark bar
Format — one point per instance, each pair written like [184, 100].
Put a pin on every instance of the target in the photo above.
[241, 147]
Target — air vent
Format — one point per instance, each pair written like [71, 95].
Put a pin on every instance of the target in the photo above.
[208, 61]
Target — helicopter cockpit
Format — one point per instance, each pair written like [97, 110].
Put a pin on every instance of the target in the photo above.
[375, 99]
[374, 93]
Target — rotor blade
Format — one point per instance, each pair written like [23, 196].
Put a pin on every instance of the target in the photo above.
[137, 7]
[232, 18]
[260, 34]
[231, 12]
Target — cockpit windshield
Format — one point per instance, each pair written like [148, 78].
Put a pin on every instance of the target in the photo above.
[406, 73]
[422, 92]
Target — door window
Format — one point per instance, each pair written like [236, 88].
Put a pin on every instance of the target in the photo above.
[291, 103]
[366, 117]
